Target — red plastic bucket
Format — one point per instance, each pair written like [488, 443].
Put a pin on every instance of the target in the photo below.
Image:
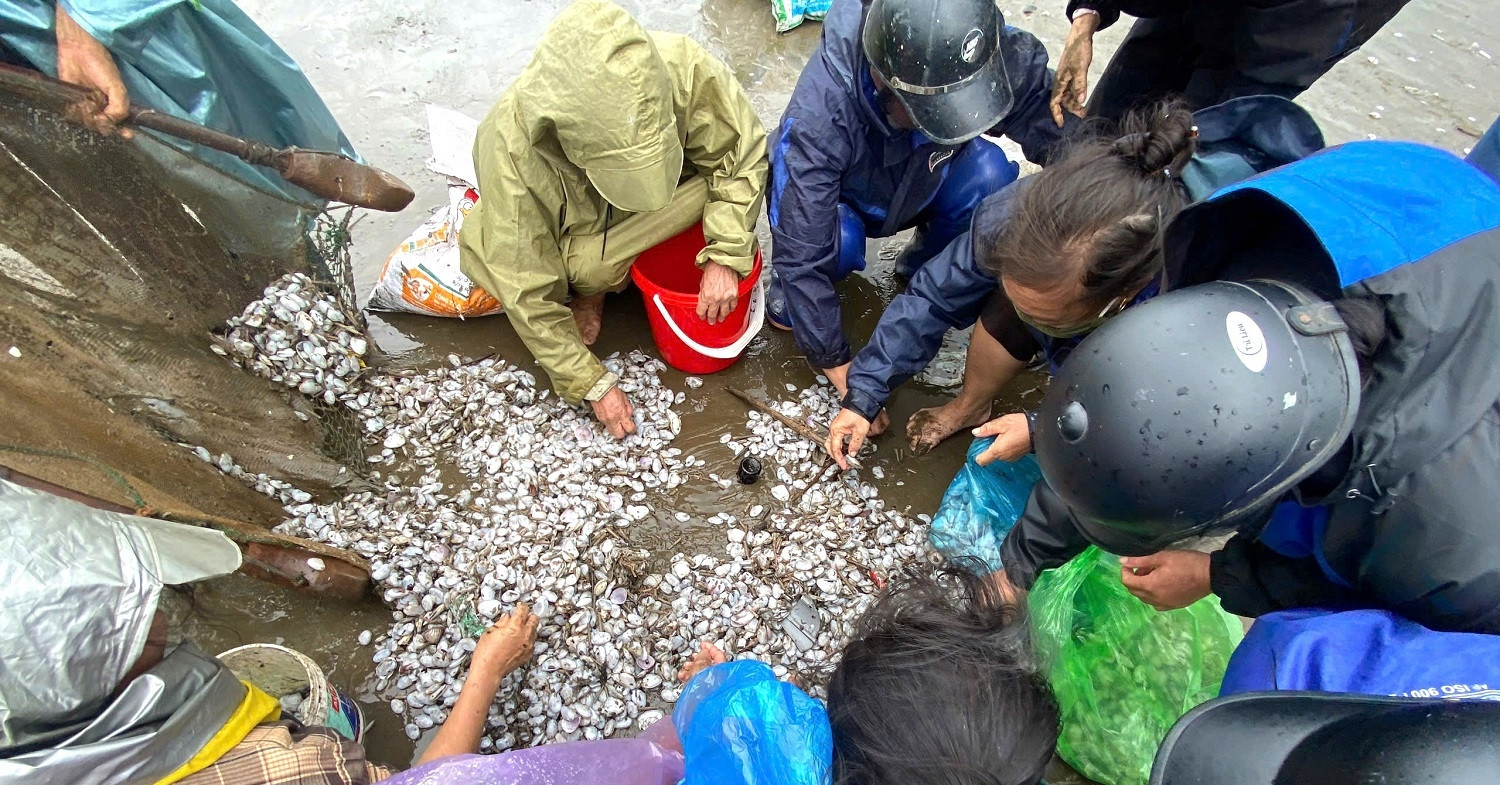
[668, 277]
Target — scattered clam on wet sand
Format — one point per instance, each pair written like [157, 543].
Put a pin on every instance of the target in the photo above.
[497, 492]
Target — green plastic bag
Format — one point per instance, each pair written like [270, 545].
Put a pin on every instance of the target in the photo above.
[1123, 671]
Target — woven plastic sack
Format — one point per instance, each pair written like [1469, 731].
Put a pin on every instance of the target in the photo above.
[422, 275]
[790, 13]
[1123, 672]
[981, 506]
[740, 726]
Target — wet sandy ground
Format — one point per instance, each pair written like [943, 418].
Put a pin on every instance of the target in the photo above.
[1428, 76]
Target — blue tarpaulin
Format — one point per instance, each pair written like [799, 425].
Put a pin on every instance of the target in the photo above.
[200, 60]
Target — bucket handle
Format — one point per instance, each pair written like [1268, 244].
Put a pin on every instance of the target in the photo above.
[756, 319]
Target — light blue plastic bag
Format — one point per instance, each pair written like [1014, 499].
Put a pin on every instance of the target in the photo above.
[740, 726]
[790, 13]
[981, 506]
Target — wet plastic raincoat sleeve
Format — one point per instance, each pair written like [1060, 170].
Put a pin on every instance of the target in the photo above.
[947, 293]
[808, 160]
[514, 251]
[726, 143]
[739, 725]
[1252, 579]
[1044, 538]
[1029, 122]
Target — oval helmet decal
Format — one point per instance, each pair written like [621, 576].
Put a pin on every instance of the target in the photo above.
[972, 46]
[1248, 341]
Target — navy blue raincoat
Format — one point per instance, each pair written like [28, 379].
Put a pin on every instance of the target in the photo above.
[1410, 524]
[835, 145]
[1236, 140]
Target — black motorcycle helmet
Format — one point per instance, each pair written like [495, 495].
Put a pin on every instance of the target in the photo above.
[942, 60]
[1310, 738]
[1184, 414]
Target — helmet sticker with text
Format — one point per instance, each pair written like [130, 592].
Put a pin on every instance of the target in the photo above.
[1248, 341]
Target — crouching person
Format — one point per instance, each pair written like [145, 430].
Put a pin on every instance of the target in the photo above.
[612, 140]
[939, 686]
[98, 687]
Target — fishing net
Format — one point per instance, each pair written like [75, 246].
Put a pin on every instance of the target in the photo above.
[118, 262]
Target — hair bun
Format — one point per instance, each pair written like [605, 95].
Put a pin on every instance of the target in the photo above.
[1132, 147]
[1158, 138]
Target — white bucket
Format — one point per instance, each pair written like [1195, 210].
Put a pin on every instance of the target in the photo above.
[279, 671]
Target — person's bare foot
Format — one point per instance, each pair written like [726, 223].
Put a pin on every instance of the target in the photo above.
[588, 311]
[927, 428]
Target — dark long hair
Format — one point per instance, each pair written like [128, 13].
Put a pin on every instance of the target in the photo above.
[1095, 215]
[939, 687]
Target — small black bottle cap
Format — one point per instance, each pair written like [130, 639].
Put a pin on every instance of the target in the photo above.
[749, 470]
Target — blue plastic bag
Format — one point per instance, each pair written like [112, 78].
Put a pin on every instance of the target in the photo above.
[740, 726]
[981, 506]
[790, 13]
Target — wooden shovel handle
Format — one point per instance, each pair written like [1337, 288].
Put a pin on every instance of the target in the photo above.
[37, 85]
[254, 152]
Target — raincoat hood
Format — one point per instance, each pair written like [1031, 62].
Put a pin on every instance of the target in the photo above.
[598, 81]
[81, 590]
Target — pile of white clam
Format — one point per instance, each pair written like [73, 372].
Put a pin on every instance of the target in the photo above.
[297, 335]
[496, 492]
[499, 493]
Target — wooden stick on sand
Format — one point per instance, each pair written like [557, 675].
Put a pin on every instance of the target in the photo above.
[805, 431]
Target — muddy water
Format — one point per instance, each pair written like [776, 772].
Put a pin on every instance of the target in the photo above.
[1425, 77]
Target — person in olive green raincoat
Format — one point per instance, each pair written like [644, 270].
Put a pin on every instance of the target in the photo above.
[612, 140]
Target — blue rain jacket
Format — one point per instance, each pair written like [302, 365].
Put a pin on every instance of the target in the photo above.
[1236, 139]
[203, 61]
[834, 145]
[1410, 527]
[1363, 651]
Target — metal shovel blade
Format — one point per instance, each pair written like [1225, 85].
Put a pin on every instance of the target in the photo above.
[335, 177]
[802, 624]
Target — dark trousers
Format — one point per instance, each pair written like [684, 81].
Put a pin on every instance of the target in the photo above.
[1215, 50]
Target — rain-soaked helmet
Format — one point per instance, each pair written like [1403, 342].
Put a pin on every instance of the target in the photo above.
[1184, 414]
[1291, 738]
[942, 60]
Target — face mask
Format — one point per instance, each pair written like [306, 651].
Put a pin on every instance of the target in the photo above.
[1083, 328]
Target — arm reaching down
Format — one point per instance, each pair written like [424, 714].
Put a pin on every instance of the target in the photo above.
[505, 646]
[725, 143]
[1044, 538]
[1070, 88]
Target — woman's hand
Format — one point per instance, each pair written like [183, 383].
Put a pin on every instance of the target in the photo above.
[1012, 438]
[718, 293]
[85, 62]
[506, 645]
[616, 413]
[1167, 580]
